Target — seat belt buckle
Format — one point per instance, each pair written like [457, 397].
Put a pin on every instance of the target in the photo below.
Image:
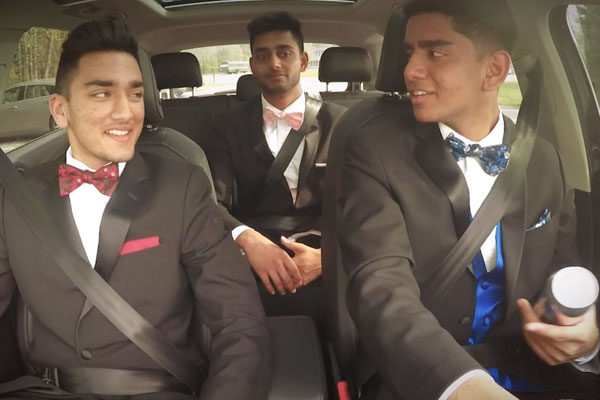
[50, 376]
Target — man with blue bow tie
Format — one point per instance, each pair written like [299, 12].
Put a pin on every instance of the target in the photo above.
[412, 182]
[268, 162]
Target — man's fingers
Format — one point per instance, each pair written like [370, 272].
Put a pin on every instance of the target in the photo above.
[310, 276]
[287, 281]
[267, 282]
[292, 270]
[292, 245]
[527, 312]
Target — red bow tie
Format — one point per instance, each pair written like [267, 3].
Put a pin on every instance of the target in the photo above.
[294, 119]
[104, 179]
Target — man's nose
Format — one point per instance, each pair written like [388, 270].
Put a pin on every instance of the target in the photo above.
[122, 107]
[415, 69]
[275, 62]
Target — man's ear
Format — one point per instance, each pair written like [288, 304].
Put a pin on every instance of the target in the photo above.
[498, 64]
[59, 110]
[303, 61]
[251, 62]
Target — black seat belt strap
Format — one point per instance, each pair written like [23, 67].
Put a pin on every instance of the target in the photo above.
[505, 187]
[120, 313]
[291, 143]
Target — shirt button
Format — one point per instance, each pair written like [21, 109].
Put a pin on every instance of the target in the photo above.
[465, 321]
[484, 285]
[86, 354]
[486, 321]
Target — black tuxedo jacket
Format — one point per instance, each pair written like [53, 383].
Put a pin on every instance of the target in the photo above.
[240, 158]
[404, 205]
[195, 272]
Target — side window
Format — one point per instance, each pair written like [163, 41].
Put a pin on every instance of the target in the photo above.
[12, 95]
[33, 91]
[34, 65]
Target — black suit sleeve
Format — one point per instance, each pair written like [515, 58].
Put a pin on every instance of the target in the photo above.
[7, 280]
[221, 165]
[227, 301]
[416, 357]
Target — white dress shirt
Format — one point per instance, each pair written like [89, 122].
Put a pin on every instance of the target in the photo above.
[87, 205]
[275, 135]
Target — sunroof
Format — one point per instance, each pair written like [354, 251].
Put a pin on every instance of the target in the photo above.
[178, 3]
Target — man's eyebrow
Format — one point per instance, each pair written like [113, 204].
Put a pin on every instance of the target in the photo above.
[104, 83]
[427, 44]
[100, 82]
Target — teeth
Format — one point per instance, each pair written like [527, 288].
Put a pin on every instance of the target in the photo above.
[419, 93]
[116, 132]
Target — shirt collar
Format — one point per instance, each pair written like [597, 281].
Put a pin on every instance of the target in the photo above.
[78, 164]
[494, 137]
[297, 105]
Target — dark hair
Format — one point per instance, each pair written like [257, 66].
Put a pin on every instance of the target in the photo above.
[488, 23]
[109, 34]
[276, 21]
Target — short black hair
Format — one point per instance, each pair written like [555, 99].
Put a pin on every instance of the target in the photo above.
[276, 21]
[488, 23]
[108, 34]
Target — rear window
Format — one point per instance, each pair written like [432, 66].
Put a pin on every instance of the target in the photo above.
[221, 66]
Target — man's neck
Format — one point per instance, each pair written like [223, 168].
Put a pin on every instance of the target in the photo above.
[282, 100]
[479, 126]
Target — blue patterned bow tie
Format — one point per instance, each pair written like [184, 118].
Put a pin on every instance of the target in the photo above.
[493, 159]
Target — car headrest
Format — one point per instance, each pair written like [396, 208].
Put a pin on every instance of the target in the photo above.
[247, 87]
[154, 112]
[176, 70]
[393, 60]
[345, 64]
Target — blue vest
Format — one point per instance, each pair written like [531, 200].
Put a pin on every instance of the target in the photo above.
[490, 310]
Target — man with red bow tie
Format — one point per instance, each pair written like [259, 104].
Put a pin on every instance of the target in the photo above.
[268, 163]
[149, 227]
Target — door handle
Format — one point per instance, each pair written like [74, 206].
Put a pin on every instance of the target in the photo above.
[13, 107]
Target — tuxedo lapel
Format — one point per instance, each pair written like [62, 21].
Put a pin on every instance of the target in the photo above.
[438, 164]
[254, 129]
[60, 208]
[312, 138]
[118, 215]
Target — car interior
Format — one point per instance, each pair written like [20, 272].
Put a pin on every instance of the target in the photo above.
[368, 57]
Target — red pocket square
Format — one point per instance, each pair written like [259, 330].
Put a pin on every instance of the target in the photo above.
[131, 246]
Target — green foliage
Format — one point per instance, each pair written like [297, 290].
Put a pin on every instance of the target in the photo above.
[37, 55]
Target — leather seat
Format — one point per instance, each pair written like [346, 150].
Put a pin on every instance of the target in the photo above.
[192, 116]
[390, 81]
[346, 64]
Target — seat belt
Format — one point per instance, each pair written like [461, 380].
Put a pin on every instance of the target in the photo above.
[505, 188]
[120, 313]
[287, 151]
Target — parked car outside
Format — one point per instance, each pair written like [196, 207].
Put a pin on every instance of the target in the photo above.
[24, 110]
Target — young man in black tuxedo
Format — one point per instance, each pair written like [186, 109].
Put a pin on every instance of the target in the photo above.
[410, 187]
[248, 139]
[148, 226]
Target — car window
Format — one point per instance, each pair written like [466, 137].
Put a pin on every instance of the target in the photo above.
[33, 91]
[34, 65]
[13, 94]
[509, 96]
[221, 66]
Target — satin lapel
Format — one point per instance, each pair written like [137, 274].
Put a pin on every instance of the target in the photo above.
[435, 159]
[118, 215]
[311, 143]
[60, 208]
[513, 229]
[254, 128]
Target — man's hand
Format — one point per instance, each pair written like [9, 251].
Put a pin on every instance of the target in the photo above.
[481, 388]
[558, 344]
[307, 259]
[272, 265]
